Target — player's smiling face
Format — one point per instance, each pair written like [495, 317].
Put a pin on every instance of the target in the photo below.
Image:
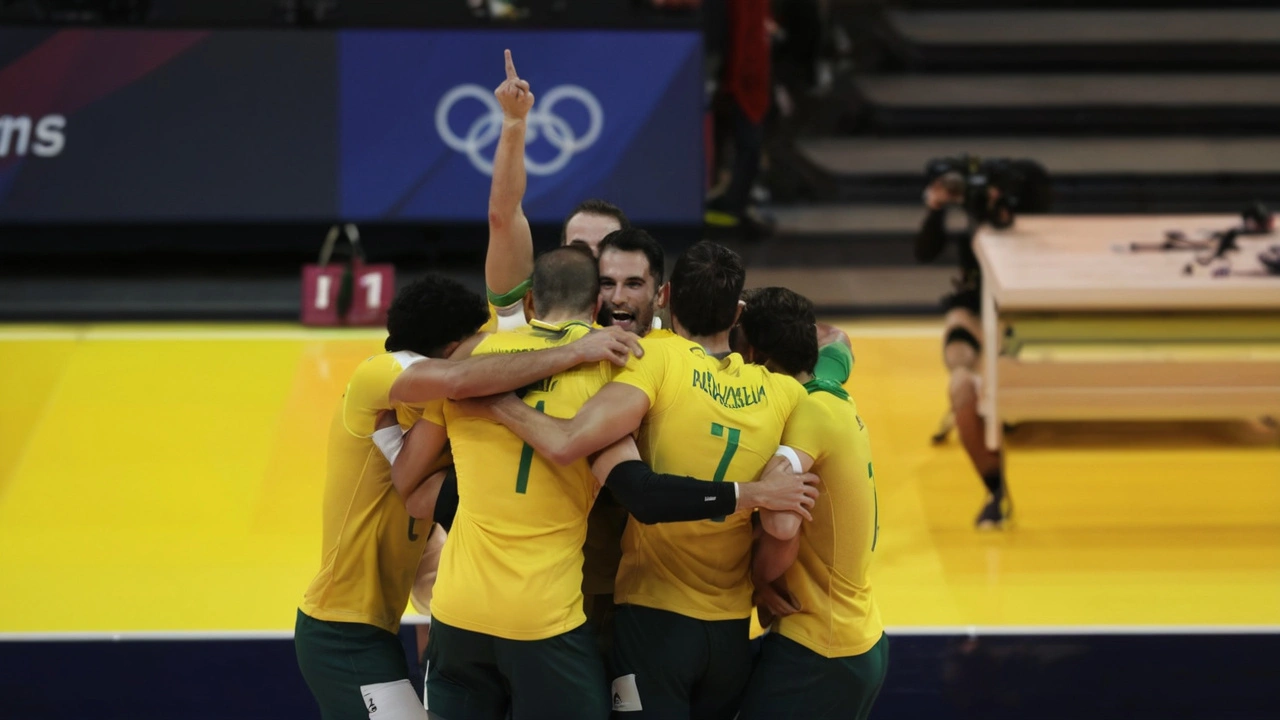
[628, 293]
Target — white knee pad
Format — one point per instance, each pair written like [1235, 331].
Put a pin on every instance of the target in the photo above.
[393, 701]
[626, 696]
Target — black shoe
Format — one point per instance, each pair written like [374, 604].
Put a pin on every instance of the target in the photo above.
[996, 514]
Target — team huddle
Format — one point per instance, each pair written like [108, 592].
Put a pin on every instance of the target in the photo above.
[594, 506]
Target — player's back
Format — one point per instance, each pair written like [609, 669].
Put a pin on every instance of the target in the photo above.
[830, 577]
[708, 418]
[513, 564]
[371, 546]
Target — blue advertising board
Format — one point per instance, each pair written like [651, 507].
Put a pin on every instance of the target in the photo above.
[248, 126]
[617, 114]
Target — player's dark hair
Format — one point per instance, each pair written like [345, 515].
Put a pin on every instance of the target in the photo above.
[430, 313]
[566, 279]
[637, 240]
[594, 207]
[780, 326]
[706, 283]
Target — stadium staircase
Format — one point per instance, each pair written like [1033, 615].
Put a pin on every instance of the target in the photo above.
[1133, 107]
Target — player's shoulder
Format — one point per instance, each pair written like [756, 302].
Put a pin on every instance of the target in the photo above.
[663, 340]
[837, 411]
[660, 346]
[385, 366]
[784, 384]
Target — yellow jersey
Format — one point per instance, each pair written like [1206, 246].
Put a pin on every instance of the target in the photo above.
[713, 419]
[839, 616]
[512, 567]
[371, 546]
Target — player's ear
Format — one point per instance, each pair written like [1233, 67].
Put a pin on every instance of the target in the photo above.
[599, 304]
[737, 314]
[664, 295]
[528, 307]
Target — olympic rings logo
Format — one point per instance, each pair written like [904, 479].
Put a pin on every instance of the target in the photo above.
[542, 120]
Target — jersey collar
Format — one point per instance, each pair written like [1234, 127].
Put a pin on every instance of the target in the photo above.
[558, 328]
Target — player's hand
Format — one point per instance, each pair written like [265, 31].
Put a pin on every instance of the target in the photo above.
[514, 96]
[781, 489]
[613, 344]
[775, 601]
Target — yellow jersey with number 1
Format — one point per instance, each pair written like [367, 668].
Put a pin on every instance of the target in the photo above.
[371, 546]
[713, 419]
[512, 567]
[830, 578]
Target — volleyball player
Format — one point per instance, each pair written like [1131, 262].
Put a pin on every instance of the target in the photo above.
[827, 655]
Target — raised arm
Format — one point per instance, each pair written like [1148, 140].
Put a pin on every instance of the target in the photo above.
[509, 260]
[612, 414]
[482, 375]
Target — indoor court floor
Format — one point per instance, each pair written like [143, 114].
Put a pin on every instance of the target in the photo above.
[168, 478]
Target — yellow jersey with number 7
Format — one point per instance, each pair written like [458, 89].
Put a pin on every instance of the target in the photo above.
[512, 567]
[830, 579]
[709, 418]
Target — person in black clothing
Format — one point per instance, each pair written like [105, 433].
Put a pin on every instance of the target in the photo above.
[962, 341]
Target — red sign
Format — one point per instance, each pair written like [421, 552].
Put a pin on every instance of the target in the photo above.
[372, 288]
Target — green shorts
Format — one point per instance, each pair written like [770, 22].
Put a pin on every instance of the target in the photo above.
[792, 681]
[344, 662]
[473, 676]
[667, 665]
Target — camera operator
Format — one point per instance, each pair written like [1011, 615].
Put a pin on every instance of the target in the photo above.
[990, 191]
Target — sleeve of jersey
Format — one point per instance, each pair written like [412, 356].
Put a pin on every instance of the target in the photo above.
[432, 412]
[506, 311]
[835, 362]
[645, 373]
[366, 394]
[806, 427]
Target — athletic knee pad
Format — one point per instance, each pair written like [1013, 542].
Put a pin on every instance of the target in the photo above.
[394, 700]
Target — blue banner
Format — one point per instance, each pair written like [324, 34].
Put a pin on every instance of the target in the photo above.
[248, 126]
[617, 115]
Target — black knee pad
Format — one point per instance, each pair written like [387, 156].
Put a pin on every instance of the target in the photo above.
[960, 334]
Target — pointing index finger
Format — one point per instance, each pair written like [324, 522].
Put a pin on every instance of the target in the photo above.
[511, 66]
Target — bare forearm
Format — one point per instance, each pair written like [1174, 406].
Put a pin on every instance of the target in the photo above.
[421, 503]
[509, 260]
[773, 557]
[480, 375]
[507, 189]
[550, 437]
[561, 441]
[780, 525]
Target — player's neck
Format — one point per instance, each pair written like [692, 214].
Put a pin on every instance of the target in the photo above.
[560, 318]
[717, 344]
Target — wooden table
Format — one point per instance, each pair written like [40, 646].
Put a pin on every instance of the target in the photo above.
[1164, 344]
